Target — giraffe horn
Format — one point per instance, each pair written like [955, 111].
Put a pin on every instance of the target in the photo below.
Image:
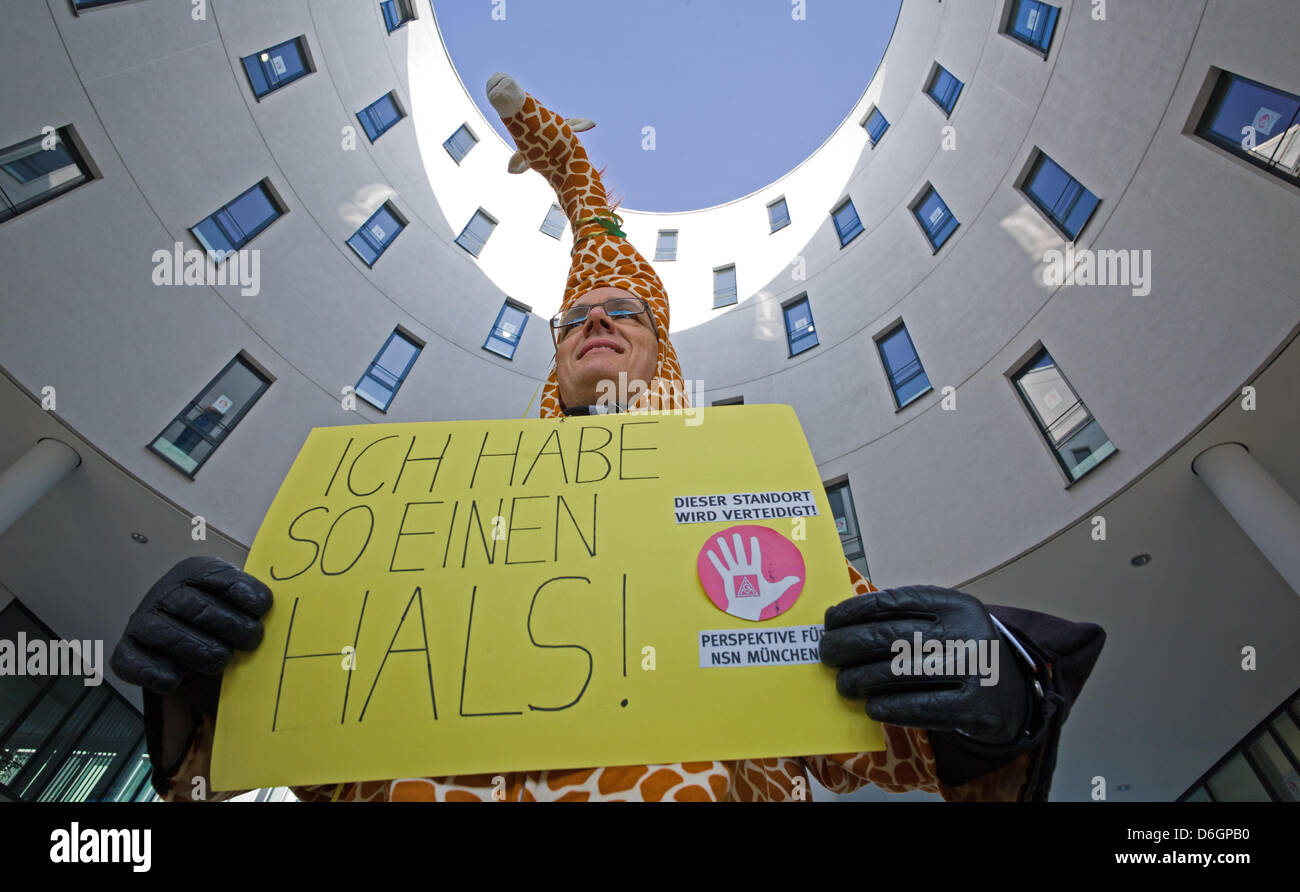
[518, 163]
[577, 125]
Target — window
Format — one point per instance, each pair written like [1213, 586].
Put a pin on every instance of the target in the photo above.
[475, 234]
[1077, 440]
[943, 88]
[847, 223]
[278, 66]
[380, 115]
[730, 401]
[1032, 23]
[799, 329]
[79, 5]
[907, 376]
[377, 234]
[666, 247]
[724, 286]
[1060, 196]
[62, 740]
[39, 169]
[236, 224]
[846, 522]
[460, 142]
[191, 438]
[382, 380]
[876, 125]
[1256, 122]
[553, 225]
[508, 329]
[778, 215]
[396, 13]
[1263, 767]
[935, 218]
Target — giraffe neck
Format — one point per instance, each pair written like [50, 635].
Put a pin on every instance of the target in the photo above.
[555, 152]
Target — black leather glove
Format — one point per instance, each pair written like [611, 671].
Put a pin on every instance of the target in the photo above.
[859, 640]
[187, 628]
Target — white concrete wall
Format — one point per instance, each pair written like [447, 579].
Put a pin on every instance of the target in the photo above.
[164, 109]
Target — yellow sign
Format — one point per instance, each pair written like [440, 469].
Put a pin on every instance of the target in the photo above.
[494, 596]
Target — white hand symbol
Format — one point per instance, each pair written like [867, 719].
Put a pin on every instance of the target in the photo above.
[740, 575]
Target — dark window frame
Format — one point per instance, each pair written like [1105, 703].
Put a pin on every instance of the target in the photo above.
[473, 217]
[509, 303]
[1037, 159]
[874, 112]
[1289, 707]
[110, 777]
[273, 198]
[558, 234]
[257, 371]
[790, 339]
[851, 515]
[365, 235]
[773, 225]
[80, 6]
[411, 339]
[304, 53]
[392, 97]
[1011, 12]
[895, 384]
[1025, 365]
[857, 221]
[932, 82]
[915, 208]
[404, 7]
[76, 153]
[661, 255]
[1219, 83]
[447, 143]
[729, 401]
[735, 296]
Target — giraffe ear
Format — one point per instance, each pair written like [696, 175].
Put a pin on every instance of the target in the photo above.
[518, 163]
[577, 125]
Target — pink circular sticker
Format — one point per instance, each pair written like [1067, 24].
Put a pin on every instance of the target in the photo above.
[751, 572]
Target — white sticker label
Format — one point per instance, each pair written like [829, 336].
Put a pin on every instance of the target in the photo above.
[936, 215]
[744, 506]
[1265, 118]
[377, 231]
[277, 63]
[222, 404]
[785, 646]
[1052, 398]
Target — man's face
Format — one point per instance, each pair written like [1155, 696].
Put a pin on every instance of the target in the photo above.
[600, 348]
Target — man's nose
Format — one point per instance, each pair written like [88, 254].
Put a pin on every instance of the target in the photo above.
[596, 314]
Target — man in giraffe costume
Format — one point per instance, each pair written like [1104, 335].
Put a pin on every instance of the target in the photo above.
[957, 738]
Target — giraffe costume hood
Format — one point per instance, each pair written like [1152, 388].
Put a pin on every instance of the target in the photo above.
[602, 255]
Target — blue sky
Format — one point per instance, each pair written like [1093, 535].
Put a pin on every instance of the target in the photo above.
[738, 92]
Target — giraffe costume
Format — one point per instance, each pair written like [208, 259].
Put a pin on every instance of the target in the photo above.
[603, 257]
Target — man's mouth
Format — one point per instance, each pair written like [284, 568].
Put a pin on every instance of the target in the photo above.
[599, 344]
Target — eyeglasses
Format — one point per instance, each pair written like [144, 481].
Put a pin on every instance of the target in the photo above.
[615, 308]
